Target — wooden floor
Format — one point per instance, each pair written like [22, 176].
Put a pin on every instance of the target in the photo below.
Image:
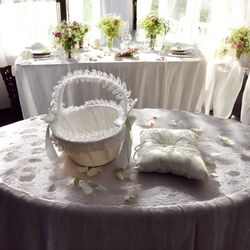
[6, 117]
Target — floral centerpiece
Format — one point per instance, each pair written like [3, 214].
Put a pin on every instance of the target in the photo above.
[239, 40]
[153, 26]
[69, 34]
[129, 52]
[110, 26]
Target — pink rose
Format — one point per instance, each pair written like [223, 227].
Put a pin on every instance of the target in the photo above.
[239, 46]
[153, 19]
[57, 34]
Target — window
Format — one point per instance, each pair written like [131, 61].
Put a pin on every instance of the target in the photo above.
[23, 22]
[204, 13]
[188, 18]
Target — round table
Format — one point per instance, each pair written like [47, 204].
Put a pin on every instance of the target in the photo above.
[41, 209]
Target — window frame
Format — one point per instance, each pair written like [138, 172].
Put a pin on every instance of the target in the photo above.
[62, 9]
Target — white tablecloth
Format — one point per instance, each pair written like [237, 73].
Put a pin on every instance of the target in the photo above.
[175, 83]
[224, 82]
[41, 209]
[245, 108]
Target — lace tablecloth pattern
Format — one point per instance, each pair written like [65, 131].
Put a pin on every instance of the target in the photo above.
[41, 208]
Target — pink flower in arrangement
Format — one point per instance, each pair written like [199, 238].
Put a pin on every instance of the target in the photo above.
[239, 46]
[115, 21]
[72, 27]
[57, 34]
[153, 18]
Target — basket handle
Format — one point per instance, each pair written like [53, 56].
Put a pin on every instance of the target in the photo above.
[110, 82]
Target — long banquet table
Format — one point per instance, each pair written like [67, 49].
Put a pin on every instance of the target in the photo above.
[157, 81]
[41, 209]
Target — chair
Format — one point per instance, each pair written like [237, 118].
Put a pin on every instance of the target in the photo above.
[10, 83]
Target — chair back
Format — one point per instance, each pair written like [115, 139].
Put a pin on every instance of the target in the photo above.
[10, 83]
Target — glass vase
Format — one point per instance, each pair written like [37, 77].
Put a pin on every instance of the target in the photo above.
[69, 53]
[244, 61]
[80, 44]
[152, 42]
[110, 41]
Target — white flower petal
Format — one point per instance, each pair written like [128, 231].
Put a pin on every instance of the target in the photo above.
[85, 187]
[215, 154]
[214, 175]
[120, 175]
[101, 188]
[226, 140]
[132, 193]
[76, 181]
[92, 172]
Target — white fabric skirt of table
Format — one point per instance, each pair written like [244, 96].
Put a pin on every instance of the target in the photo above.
[41, 209]
[176, 83]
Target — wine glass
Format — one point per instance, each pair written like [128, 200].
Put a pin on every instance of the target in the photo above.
[126, 38]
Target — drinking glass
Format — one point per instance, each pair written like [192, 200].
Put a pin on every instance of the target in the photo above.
[126, 39]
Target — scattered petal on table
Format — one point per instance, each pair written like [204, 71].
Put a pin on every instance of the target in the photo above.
[146, 122]
[101, 188]
[85, 187]
[92, 172]
[175, 123]
[197, 130]
[132, 193]
[214, 175]
[120, 175]
[215, 154]
[76, 181]
[226, 140]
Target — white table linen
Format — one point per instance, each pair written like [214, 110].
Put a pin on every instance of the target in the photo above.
[245, 107]
[224, 82]
[40, 209]
[175, 83]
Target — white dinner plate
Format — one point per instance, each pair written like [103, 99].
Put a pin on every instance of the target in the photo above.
[187, 55]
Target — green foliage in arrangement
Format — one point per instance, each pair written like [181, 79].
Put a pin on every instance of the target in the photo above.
[110, 26]
[68, 34]
[154, 25]
[239, 40]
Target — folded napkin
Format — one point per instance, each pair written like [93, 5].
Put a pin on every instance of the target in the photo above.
[175, 151]
[26, 54]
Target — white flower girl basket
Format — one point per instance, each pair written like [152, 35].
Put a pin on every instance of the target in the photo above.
[93, 133]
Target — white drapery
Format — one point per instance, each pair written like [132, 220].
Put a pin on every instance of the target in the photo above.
[123, 8]
[143, 8]
[224, 16]
[95, 10]
[21, 25]
[224, 81]
[25, 23]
